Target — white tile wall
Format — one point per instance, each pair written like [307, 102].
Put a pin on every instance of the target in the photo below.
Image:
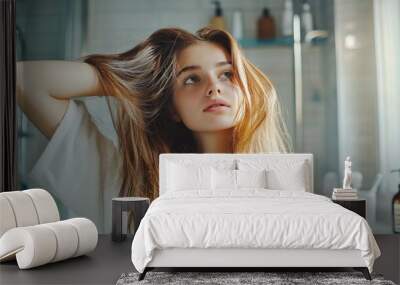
[357, 87]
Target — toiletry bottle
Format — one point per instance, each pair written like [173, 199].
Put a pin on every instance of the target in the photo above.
[217, 21]
[237, 25]
[266, 26]
[396, 208]
[306, 18]
[287, 19]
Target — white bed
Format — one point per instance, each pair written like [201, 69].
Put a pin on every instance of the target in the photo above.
[247, 210]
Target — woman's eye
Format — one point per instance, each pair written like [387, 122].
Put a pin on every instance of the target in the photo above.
[191, 80]
[227, 75]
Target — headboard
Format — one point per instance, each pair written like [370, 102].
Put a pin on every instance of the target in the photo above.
[227, 158]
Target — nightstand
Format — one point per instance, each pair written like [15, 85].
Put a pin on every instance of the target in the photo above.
[138, 205]
[358, 206]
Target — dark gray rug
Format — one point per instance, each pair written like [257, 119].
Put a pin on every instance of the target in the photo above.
[229, 278]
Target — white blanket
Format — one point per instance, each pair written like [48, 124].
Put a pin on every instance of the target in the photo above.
[251, 218]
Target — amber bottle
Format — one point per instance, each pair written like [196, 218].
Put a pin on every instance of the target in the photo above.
[266, 26]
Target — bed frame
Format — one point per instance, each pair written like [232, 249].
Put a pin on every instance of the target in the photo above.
[246, 259]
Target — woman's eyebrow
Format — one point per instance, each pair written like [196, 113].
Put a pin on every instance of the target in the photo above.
[192, 67]
[222, 63]
[186, 68]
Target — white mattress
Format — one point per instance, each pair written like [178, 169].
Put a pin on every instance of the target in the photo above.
[251, 219]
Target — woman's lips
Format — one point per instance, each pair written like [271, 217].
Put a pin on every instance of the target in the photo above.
[216, 105]
[216, 108]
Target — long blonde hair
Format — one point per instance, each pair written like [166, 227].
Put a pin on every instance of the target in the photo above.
[142, 80]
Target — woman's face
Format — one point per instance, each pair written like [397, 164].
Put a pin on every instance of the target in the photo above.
[205, 98]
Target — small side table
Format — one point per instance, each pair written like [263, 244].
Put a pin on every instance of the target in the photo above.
[138, 205]
[358, 206]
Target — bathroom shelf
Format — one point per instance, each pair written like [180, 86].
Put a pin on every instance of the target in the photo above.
[254, 43]
[277, 42]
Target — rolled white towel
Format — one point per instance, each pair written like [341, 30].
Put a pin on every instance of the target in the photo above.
[40, 244]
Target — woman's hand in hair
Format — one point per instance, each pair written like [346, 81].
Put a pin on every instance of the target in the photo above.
[45, 87]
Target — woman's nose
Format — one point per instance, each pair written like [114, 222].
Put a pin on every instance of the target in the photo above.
[213, 90]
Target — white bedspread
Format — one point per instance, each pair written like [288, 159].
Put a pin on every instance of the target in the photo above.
[251, 218]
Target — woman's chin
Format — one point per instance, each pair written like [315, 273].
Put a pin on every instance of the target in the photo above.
[215, 128]
[211, 123]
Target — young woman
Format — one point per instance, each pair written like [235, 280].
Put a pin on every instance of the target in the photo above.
[176, 92]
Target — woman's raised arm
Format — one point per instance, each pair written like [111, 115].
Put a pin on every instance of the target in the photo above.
[45, 87]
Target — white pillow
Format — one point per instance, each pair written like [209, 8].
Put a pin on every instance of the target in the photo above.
[223, 179]
[236, 179]
[251, 178]
[282, 174]
[183, 177]
[287, 180]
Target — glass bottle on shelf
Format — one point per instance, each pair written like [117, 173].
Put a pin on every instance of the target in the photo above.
[266, 26]
[396, 208]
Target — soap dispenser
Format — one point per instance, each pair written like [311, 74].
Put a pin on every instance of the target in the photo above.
[396, 208]
[306, 18]
[217, 21]
[287, 19]
[237, 25]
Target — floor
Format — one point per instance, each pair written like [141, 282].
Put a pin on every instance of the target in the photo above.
[388, 263]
